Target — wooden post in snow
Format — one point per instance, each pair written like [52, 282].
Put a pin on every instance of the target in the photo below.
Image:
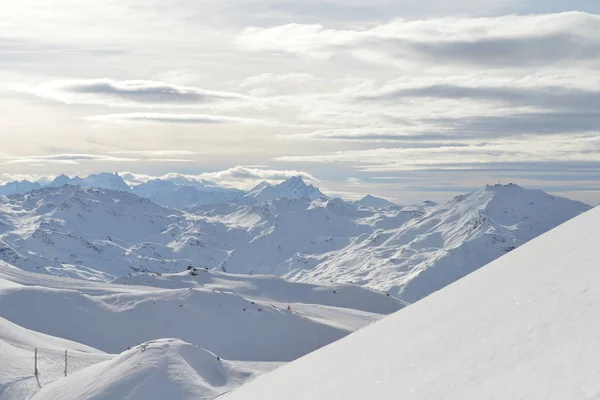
[65, 363]
[35, 363]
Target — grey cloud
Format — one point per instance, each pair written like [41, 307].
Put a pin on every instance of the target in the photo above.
[553, 98]
[130, 93]
[509, 42]
[511, 52]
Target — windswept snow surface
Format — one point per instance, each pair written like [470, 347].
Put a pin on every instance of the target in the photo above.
[157, 370]
[411, 251]
[17, 344]
[523, 327]
[242, 319]
[235, 319]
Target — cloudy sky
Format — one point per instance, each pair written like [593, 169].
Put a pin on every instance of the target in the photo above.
[406, 99]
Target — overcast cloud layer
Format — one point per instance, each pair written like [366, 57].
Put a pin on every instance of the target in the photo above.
[407, 100]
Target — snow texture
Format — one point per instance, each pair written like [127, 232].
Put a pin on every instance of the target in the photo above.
[523, 327]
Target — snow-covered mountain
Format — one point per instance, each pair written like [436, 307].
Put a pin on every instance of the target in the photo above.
[523, 327]
[407, 251]
[18, 187]
[178, 191]
[185, 196]
[375, 202]
[242, 320]
[103, 180]
[440, 244]
[293, 188]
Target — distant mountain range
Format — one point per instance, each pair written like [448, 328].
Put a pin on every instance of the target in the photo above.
[179, 192]
[290, 229]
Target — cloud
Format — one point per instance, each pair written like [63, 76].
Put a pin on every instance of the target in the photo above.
[167, 118]
[501, 42]
[66, 159]
[73, 159]
[467, 154]
[167, 153]
[245, 173]
[270, 78]
[133, 93]
[241, 177]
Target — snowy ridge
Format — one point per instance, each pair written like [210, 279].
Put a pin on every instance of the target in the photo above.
[159, 369]
[440, 244]
[375, 202]
[293, 188]
[523, 327]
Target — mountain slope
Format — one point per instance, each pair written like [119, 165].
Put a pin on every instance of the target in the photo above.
[376, 202]
[18, 187]
[293, 188]
[103, 180]
[523, 327]
[445, 242]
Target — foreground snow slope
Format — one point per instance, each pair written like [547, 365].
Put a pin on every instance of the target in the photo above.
[524, 327]
[242, 319]
[17, 345]
[156, 370]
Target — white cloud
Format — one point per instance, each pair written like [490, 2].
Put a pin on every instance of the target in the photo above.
[241, 177]
[167, 153]
[74, 159]
[131, 93]
[168, 118]
[501, 42]
[466, 154]
[66, 159]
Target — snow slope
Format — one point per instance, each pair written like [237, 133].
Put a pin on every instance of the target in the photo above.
[160, 369]
[17, 345]
[440, 244]
[523, 327]
[237, 318]
[293, 188]
[242, 319]
[375, 202]
[18, 187]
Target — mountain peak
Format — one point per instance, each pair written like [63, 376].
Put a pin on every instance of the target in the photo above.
[293, 181]
[373, 201]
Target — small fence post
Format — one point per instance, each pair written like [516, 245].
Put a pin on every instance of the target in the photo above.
[65, 363]
[35, 363]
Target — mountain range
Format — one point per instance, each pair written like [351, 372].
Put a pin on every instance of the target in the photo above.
[291, 230]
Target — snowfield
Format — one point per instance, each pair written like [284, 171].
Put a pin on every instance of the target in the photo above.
[523, 327]
[243, 320]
